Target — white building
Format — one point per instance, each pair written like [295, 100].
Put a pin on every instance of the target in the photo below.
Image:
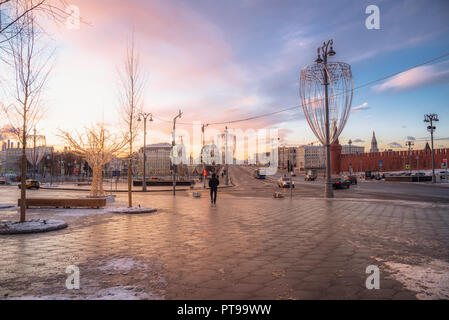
[157, 158]
[310, 157]
[352, 149]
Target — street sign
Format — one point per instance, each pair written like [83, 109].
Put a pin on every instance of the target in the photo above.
[381, 164]
[116, 173]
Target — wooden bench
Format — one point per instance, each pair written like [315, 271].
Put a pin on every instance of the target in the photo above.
[65, 202]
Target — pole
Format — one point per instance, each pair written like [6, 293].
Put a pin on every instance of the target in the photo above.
[34, 154]
[434, 179]
[202, 159]
[173, 150]
[350, 155]
[226, 157]
[144, 182]
[328, 186]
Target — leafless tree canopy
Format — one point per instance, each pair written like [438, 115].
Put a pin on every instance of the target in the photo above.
[13, 14]
[30, 63]
[97, 146]
[132, 84]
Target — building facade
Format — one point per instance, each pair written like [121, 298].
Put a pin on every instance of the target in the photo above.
[286, 155]
[310, 157]
[157, 159]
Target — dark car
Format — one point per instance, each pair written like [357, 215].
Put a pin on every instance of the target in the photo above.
[340, 183]
[351, 179]
[31, 184]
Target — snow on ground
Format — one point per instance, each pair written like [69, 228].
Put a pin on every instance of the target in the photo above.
[130, 210]
[112, 293]
[31, 226]
[430, 280]
[123, 265]
[76, 212]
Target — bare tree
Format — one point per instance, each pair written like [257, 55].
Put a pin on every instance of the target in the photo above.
[132, 84]
[97, 146]
[31, 67]
[13, 14]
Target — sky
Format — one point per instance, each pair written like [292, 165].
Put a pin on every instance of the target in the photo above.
[219, 60]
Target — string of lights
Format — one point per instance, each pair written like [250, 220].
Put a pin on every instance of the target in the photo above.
[299, 106]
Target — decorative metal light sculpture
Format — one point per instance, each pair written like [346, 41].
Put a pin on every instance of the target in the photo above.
[326, 97]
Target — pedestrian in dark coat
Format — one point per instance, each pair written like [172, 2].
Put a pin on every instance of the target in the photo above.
[213, 184]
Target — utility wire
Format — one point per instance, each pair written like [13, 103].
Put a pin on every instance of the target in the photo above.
[296, 107]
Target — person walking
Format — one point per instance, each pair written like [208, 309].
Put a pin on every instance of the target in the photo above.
[213, 184]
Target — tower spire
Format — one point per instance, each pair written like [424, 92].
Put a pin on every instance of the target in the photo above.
[374, 143]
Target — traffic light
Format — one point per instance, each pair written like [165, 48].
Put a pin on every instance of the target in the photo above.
[444, 164]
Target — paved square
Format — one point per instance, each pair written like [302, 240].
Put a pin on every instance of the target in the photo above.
[243, 248]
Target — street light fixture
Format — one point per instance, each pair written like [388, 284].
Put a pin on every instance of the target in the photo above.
[350, 154]
[316, 100]
[145, 116]
[431, 118]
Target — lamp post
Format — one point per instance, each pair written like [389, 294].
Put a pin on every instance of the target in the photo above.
[173, 151]
[325, 52]
[409, 144]
[145, 116]
[350, 154]
[226, 156]
[431, 118]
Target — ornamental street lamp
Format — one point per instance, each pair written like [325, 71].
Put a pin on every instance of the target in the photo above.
[409, 144]
[326, 112]
[350, 154]
[431, 118]
[144, 115]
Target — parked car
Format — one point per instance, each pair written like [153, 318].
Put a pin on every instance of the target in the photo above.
[340, 183]
[284, 182]
[351, 179]
[31, 184]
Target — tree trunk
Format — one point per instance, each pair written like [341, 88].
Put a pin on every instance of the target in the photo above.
[130, 178]
[97, 181]
[23, 186]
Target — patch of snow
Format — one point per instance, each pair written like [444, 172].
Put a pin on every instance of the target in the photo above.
[112, 293]
[122, 293]
[130, 210]
[123, 265]
[79, 212]
[32, 226]
[430, 281]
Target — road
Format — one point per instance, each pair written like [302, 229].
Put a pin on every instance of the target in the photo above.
[248, 186]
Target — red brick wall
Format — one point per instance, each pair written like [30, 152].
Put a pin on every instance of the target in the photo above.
[392, 160]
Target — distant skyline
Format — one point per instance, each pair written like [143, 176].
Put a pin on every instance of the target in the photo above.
[220, 60]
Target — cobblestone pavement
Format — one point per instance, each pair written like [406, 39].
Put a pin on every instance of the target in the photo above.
[242, 248]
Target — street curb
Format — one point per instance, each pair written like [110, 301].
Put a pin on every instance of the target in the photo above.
[108, 191]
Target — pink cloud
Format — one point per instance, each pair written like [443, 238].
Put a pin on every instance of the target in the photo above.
[414, 78]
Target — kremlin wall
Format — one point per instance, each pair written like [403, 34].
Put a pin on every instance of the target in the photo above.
[385, 161]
